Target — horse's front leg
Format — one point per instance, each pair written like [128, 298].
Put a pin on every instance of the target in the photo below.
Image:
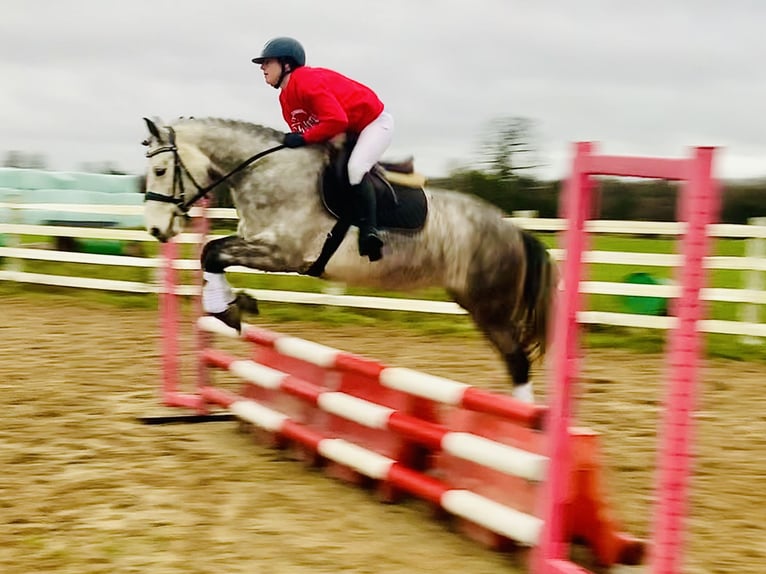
[218, 298]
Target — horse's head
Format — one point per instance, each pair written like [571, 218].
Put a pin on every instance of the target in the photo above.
[177, 172]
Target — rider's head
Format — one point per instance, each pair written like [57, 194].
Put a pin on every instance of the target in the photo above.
[278, 58]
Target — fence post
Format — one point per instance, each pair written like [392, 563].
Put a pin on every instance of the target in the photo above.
[753, 280]
[15, 265]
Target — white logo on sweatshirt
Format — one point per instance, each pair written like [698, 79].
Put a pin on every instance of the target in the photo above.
[301, 120]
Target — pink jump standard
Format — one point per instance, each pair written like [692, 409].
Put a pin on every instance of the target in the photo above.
[698, 206]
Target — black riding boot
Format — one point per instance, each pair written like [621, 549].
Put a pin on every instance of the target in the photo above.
[370, 243]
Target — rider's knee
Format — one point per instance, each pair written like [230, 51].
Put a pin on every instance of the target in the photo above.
[356, 171]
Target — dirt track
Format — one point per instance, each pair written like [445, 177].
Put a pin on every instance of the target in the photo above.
[85, 489]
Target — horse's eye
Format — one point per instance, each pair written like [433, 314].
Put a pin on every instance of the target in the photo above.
[159, 171]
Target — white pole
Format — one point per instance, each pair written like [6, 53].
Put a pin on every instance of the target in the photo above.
[753, 279]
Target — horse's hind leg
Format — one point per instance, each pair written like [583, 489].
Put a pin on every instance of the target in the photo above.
[517, 363]
[494, 321]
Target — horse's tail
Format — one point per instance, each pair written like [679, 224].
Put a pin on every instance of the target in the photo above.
[540, 286]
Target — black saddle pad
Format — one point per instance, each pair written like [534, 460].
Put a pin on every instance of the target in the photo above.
[398, 207]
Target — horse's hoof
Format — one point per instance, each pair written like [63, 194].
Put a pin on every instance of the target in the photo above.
[246, 303]
[231, 317]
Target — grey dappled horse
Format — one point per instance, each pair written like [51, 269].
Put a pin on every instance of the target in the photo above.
[502, 275]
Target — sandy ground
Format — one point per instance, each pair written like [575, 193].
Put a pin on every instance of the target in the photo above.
[84, 488]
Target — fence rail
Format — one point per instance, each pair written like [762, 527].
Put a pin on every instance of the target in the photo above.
[752, 265]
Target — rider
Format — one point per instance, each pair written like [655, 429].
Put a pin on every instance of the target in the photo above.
[319, 104]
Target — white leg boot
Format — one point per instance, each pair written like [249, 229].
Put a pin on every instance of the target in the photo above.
[524, 393]
[217, 293]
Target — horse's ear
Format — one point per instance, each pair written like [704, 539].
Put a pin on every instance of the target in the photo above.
[153, 129]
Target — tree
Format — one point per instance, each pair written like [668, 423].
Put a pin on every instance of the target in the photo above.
[23, 159]
[508, 147]
[105, 167]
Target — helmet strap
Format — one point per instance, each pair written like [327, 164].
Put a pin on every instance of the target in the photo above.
[283, 75]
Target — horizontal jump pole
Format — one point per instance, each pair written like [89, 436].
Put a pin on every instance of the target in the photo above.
[466, 446]
[646, 167]
[437, 389]
[513, 524]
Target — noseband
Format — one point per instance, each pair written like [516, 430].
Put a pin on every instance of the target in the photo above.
[179, 169]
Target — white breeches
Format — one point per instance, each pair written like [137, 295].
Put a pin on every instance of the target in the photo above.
[369, 148]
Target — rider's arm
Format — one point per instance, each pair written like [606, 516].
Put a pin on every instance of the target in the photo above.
[331, 115]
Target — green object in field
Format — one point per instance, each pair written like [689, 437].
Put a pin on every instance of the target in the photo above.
[645, 304]
[101, 246]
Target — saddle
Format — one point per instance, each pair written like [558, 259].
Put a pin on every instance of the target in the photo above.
[401, 200]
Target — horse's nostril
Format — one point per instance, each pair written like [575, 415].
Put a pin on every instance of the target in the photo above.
[157, 234]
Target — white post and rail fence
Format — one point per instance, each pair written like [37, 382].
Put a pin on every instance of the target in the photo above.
[17, 259]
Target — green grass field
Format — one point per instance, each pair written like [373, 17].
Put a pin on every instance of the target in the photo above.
[645, 340]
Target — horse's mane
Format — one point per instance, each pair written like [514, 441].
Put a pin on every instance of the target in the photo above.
[236, 125]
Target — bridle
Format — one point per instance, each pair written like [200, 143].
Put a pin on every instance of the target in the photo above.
[182, 205]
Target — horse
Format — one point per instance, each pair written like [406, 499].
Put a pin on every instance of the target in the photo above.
[501, 274]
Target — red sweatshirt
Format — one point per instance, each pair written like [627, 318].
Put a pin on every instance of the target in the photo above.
[321, 103]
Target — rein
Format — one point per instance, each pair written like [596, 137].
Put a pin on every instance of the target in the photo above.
[185, 205]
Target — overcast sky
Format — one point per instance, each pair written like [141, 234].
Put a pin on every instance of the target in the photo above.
[651, 78]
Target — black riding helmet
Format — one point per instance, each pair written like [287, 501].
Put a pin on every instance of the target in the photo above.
[285, 51]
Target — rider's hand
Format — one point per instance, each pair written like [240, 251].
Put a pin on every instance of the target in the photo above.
[294, 139]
